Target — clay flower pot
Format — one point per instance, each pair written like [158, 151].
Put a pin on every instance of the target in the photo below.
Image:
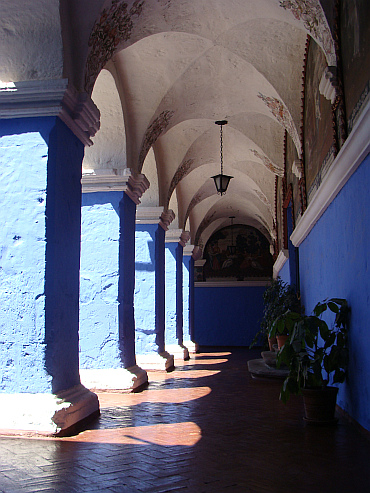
[319, 405]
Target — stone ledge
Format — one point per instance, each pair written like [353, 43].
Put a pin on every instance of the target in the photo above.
[47, 413]
[125, 379]
[180, 351]
[193, 347]
[155, 361]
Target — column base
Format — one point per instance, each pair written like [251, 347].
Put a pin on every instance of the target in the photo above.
[193, 347]
[180, 351]
[128, 379]
[156, 361]
[47, 413]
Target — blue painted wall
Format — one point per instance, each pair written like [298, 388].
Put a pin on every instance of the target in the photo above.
[335, 262]
[40, 253]
[227, 316]
[149, 300]
[99, 339]
[171, 290]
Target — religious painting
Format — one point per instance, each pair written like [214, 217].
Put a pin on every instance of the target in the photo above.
[318, 127]
[293, 175]
[279, 214]
[355, 52]
[237, 253]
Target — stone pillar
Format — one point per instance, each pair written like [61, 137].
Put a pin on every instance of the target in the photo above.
[175, 242]
[107, 326]
[149, 302]
[188, 299]
[44, 126]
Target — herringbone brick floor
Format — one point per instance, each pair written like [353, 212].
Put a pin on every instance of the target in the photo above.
[206, 427]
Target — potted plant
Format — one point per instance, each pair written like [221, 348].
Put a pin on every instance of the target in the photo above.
[278, 298]
[316, 356]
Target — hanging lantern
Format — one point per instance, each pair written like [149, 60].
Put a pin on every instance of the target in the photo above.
[221, 180]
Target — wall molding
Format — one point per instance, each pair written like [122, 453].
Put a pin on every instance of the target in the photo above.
[231, 284]
[349, 158]
[280, 261]
[42, 98]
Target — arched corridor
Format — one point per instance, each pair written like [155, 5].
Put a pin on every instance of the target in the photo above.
[206, 427]
[118, 254]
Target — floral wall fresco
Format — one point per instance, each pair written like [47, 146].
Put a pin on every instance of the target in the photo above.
[282, 115]
[249, 259]
[198, 197]
[313, 18]
[155, 129]
[114, 26]
[181, 172]
[268, 163]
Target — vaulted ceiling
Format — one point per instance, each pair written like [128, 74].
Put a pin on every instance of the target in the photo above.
[163, 71]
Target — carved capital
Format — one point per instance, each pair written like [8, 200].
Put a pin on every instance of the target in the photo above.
[155, 215]
[197, 253]
[38, 98]
[115, 180]
[177, 236]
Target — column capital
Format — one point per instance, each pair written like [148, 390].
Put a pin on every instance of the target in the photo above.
[115, 180]
[155, 215]
[197, 253]
[200, 262]
[177, 236]
[188, 250]
[37, 98]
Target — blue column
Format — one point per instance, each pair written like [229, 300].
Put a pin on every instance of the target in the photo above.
[107, 333]
[127, 281]
[41, 202]
[188, 299]
[175, 242]
[150, 288]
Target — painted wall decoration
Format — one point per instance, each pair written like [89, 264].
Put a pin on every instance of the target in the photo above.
[355, 52]
[181, 172]
[318, 130]
[311, 14]
[202, 226]
[237, 253]
[114, 26]
[268, 163]
[198, 197]
[279, 214]
[155, 129]
[282, 115]
[291, 176]
[264, 200]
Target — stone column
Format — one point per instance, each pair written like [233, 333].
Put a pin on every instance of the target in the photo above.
[151, 224]
[44, 127]
[175, 242]
[107, 326]
[188, 299]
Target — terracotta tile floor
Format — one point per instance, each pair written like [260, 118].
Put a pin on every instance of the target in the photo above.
[205, 427]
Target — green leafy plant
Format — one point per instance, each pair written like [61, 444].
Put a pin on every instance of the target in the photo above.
[315, 354]
[278, 298]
